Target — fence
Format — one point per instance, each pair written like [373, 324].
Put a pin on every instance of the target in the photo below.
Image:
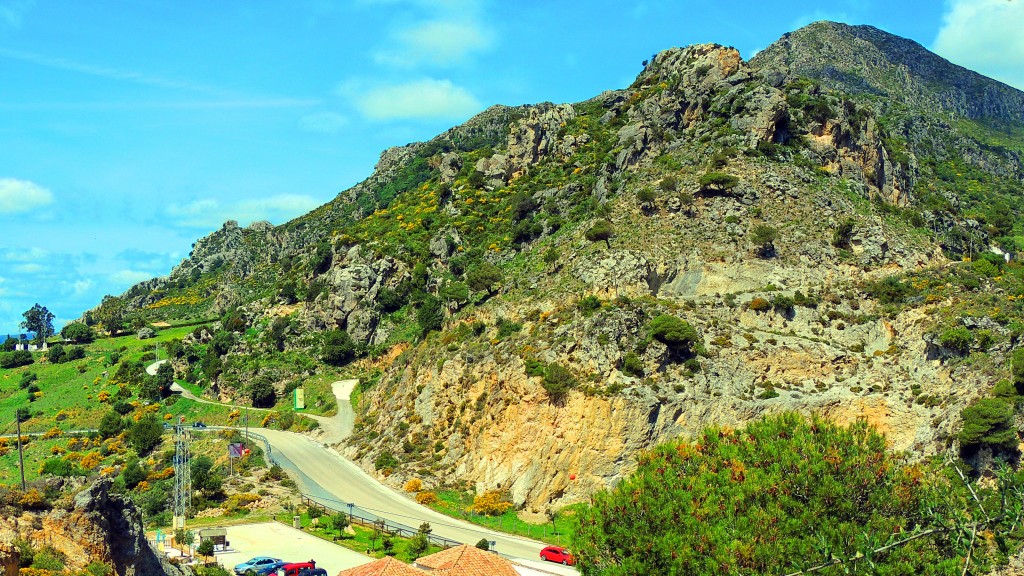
[377, 522]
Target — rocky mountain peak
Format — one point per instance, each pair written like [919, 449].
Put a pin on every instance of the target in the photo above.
[869, 61]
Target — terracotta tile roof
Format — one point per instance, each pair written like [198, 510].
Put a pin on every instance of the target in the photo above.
[466, 560]
[386, 566]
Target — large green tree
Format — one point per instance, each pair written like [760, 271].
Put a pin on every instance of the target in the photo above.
[110, 313]
[39, 320]
[77, 332]
[483, 277]
[783, 495]
[144, 435]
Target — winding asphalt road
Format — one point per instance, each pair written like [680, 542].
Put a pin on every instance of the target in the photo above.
[330, 476]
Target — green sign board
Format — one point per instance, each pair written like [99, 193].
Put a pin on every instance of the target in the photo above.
[300, 399]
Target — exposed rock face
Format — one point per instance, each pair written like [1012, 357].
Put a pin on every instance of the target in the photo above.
[9, 558]
[99, 527]
[355, 281]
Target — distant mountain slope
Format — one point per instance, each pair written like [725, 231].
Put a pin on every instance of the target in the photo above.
[899, 71]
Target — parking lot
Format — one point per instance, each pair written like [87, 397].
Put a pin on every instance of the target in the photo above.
[287, 543]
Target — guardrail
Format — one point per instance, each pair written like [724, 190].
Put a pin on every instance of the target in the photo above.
[378, 523]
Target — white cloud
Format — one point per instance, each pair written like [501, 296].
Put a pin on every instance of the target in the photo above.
[419, 99]
[18, 196]
[130, 277]
[985, 36]
[210, 213]
[12, 11]
[323, 122]
[436, 42]
[33, 254]
[82, 287]
[28, 268]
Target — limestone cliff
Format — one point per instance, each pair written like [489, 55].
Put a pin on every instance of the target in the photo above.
[94, 526]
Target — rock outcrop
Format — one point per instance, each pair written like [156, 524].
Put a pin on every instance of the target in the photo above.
[98, 527]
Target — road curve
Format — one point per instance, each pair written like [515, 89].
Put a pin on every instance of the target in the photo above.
[346, 482]
[335, 476]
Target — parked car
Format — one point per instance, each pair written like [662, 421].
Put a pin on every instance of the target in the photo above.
[293, 568]
[557, 554]
[312, 572]
[258, 565]
[199, 424]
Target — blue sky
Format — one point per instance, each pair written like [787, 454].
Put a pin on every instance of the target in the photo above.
[129, 129]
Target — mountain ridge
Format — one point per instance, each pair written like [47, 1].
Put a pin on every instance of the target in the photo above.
[509, 279]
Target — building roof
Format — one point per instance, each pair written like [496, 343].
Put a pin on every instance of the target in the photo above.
[466, 560]
[386, 566]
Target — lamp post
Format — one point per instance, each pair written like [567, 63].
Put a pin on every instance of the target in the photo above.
[21, 457]
[350, 505]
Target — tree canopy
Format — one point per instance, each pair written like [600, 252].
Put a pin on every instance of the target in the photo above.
[483, 277]
[39, 320]
[782, 495]
[77, 332]
[601, 230]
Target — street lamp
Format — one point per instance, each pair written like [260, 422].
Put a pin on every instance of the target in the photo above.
[350, 505]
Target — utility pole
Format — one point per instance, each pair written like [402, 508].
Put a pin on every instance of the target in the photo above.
[246, 426]
[21, 457]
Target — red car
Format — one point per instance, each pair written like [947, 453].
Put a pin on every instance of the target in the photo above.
[557, 554]
[293, 568]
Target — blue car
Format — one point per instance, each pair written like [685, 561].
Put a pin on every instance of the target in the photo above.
[260, 565]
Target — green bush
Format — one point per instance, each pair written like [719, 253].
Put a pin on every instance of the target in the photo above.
[843, 233]
[338, 348]
[589, 303]
[985, 268]
[558, 380]
[783, 304]
[59, 467]
[988, 423]
[889, 290]
[385, 461]
[430, 314]
[145, 434]
[483, 277]
[633, 365]
[601, 230]
[957, 338]
[677, 334]
[15, 359]
[763, 237]
[782, 495]
[1017, 369]
[718, 181]
[77, 332]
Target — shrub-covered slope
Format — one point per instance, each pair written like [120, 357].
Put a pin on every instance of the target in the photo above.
[546, 290]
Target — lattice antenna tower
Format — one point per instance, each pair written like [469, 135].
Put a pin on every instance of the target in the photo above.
[182, 474]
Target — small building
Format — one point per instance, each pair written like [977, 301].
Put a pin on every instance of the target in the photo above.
[465, 560]
[219, 536]
[386, 566]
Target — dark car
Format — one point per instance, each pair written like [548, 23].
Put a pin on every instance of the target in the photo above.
[312, 572]
[198, 424]
[261, 565]
[557, 554]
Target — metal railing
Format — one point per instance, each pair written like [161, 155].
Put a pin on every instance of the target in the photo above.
[377, 522]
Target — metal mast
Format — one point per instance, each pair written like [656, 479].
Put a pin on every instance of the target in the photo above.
[182, 474]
